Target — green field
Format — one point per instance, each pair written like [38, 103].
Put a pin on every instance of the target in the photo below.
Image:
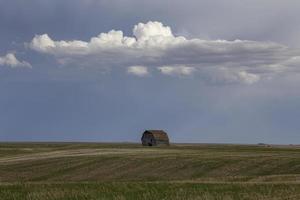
[91, 171]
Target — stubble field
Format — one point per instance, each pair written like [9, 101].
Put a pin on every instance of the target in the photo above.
[92, 171]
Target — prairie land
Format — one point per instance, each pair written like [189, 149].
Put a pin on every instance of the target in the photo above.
[95, 171]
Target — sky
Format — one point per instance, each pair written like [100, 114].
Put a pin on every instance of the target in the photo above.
[205, 71]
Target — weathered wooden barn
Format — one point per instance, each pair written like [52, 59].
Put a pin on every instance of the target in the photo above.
[155, 138]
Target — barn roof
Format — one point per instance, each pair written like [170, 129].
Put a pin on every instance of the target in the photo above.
[158, 134]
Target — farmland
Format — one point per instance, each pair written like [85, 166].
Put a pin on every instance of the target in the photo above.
[90, 171]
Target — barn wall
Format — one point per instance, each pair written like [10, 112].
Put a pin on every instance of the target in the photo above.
[147, 139]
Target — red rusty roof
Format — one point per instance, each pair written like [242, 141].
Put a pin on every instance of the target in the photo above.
[158, 134]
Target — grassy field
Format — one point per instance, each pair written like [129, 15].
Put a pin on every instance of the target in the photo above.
[91, 171]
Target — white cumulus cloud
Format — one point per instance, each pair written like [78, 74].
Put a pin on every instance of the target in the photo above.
[176, 70]
[154, 45]
[10, 60]
[151, 30]
[138, 71]
[247, 77]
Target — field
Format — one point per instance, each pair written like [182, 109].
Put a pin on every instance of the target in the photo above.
[91, 171]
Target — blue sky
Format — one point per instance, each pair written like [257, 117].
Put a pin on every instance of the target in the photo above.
[98, 70]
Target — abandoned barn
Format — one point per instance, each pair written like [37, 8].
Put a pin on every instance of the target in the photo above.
[155, 138]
